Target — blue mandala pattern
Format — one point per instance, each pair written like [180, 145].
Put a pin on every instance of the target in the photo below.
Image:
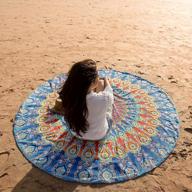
[144, 132]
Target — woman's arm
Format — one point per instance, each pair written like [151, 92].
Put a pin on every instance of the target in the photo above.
[100, 86]
[106, 82]
[105, 94]
[108, 94]
[107, 86]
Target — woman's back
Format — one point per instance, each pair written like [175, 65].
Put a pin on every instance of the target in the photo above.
[99, 109]
[84, 110]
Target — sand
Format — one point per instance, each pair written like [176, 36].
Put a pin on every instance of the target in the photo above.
[149, 38]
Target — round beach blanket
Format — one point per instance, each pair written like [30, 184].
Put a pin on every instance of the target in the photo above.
[144, 132]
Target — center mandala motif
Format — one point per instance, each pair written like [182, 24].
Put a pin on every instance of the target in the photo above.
[131, 110]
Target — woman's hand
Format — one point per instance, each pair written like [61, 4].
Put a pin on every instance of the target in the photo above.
[106, 82]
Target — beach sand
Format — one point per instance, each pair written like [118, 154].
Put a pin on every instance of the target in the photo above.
[39, 39]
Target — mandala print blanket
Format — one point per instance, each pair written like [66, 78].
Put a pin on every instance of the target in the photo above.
[144, 132]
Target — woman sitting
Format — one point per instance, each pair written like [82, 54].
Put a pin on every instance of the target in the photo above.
[86, 101]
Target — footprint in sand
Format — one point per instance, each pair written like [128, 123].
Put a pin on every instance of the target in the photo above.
[190, 112]
[174, 81]
[141, 73]
[5, 153]
[10, 90]
[187, 143]
[189, 130]
[183, 153]
[4, 156]
[138, 66]
[170, 77]
[3, 175]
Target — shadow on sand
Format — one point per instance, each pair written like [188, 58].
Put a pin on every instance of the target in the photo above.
[36, 180]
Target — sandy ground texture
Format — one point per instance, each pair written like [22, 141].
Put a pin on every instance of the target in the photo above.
[150, 38]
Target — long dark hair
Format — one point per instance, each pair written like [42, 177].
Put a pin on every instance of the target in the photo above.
[74, 91]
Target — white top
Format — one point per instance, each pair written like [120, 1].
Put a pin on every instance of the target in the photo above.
[99, 108]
